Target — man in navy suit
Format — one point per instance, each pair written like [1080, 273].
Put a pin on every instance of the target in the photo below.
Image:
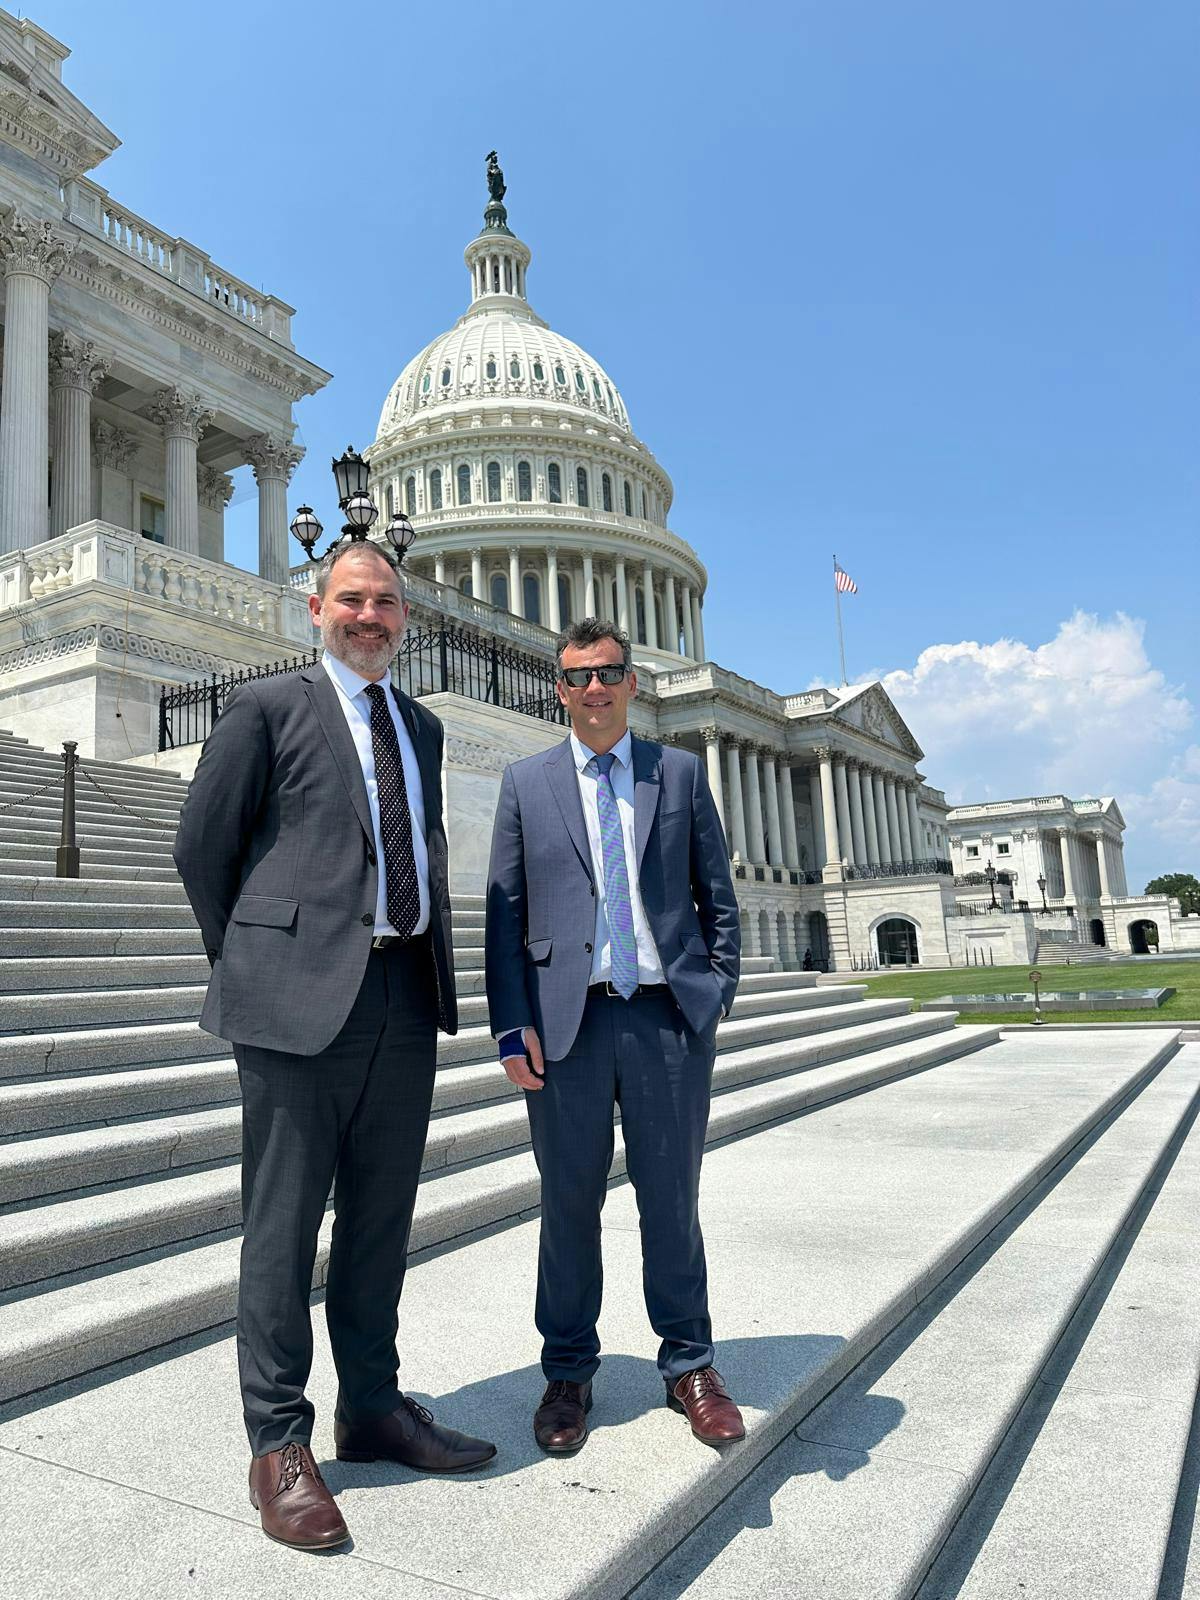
[612, 952]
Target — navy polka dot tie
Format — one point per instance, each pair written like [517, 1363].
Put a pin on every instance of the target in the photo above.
[395, 819]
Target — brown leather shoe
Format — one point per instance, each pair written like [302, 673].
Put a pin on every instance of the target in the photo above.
[703, 1398]
[560, 1422]
[289, 1494]
[410, 1436]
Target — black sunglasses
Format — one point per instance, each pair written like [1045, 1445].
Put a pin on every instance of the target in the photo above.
[580, 677]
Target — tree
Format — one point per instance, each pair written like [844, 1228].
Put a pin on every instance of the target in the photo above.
[1184, 886]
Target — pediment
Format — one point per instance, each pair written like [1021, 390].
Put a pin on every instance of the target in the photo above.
[872, 712]
[36, 102]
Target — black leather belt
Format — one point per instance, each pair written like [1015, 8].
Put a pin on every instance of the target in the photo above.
[642, 988]
[384, 941]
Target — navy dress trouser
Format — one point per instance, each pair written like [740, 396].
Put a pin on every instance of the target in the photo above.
[638, 1055]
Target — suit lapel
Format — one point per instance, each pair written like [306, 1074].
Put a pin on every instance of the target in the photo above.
[431, 777]
[564, 785]
[324, 700]
[647, 786]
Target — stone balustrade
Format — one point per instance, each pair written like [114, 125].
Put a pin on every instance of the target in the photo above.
[100, 553]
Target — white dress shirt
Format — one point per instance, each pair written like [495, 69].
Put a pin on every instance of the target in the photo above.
[356, 708]
[650, 968]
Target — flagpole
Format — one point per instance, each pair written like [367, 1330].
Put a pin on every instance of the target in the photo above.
[837, 599]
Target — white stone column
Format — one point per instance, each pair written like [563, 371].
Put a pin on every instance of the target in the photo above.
[516, 592]
[632, 603]
[887, 846]
[552, 609]
[787, 807]
[273, 461]
[184, 418]
[737, 809]
[914, 824]
[712, 762]
[815, 809]
[893, 818]
[867, 783]
[754, 809]
[833, 848]
[477, 573]
[841, 800]
[1102, 864]
[771, 795]
[1120, 885]
[75, 369]
[648, 597]
[689, 637]
[670, 614]
[1068, 865]
[906, 839]
[439, 566]
[589, 587]
[858, 837]
[622, 598]
[698, 627]
[113, 453]
[33, 258]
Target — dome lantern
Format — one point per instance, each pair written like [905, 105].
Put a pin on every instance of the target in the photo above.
[496, 259]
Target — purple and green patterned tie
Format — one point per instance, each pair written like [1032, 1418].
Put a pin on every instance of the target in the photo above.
[621, 943]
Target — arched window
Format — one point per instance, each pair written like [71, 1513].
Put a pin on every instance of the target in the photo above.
[389, 500]
[554, 483]
[445, 377]
[628, 498]
[581, 485]
[644, 517]
[435, 489]
[560, 376]
[524, 481]
[897, 942]
[425, 382]
[499, 591]
[539, 372]
[464, 485]
[606, 492]
[493, 480]
[489, 371]
[410, 496]
[596, 392]
[464, 583]
[532, 592]
[612, 404]
[640, 621]
[579, 383]
[564, 598]
[514, 368]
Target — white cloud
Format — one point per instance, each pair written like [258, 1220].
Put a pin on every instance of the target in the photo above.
[1085, 713]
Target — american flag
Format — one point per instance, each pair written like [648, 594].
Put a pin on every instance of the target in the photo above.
[843, 582]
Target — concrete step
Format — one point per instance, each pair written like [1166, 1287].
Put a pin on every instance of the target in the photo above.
[92, 914]
[117, 832]
[853, 1215]
[102, 942]
[135, 809]
[50, 891]
[193, 1288]
[43, 867]
[1126, 1370]
[26, 757]
[133, 853]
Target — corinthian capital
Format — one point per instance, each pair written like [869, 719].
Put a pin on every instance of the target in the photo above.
[31, 246]
[112, 446]
[75, 363]
[182, 415]
[271, 457]
[214, 487]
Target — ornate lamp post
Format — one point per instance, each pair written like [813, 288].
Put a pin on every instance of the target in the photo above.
[353, 475]
[989, 873]
[1041, 883]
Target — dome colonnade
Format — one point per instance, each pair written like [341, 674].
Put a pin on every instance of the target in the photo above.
[510, 450]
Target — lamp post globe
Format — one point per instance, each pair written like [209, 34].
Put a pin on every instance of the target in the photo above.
[400, 535]
[351, 474]
[307, 529]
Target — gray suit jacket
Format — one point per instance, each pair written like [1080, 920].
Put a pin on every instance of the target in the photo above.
[277, 854]
[541, 905]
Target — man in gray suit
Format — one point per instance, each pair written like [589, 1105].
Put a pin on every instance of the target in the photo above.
[612, 952]
[312, 849]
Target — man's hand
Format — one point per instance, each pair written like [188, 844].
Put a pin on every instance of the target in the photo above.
[527, 1074]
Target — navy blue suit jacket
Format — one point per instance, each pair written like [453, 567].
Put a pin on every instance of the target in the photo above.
[541, 905]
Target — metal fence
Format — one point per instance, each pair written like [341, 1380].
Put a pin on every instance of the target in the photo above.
[901, 869]
[431, 661]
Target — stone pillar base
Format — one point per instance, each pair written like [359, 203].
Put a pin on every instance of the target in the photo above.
[833, 872]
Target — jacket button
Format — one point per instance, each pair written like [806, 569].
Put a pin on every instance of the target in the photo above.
[371, 857]
[592, 890]
[588, 948]
[368, 919]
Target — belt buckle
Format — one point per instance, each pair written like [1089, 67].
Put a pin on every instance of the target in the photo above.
[615, 994]
[381, 941]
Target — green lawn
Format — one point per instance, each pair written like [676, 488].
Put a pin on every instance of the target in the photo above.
[1182, 976]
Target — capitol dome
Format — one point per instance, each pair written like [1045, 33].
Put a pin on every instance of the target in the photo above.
[510, 449]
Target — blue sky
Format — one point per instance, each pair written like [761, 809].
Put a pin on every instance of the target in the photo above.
[915, 283]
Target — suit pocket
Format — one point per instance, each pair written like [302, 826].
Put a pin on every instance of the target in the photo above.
[538, 950]
[694, 942]
[264, 911]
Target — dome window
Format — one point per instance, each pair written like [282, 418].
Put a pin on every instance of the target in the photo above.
[564, 599]
[554, 483]
[524, 481]
[389, 501]
[538, 372]
[490, 370]
[579, 383]
[445, 377]
[514, 368]
[533, 597]
[499, 591]
[612, 404]
[596, 392]
[560, 376]
[410, 496]
[464, 485]
[435, 489]
[425, 382]
[581, 485]
[645, 518]
[628, 498]
[493, 480]
[606, 498]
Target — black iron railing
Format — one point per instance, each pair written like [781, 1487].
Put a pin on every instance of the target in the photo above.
[431, 661]
[977, 880]
[901, 869]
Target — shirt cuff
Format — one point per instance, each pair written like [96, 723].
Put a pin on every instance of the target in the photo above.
[511, 1043]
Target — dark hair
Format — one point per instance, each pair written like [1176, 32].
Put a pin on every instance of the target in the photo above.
[591, 630]
[348, 547]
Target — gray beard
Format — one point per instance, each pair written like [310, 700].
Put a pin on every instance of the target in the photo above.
[366, 657]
